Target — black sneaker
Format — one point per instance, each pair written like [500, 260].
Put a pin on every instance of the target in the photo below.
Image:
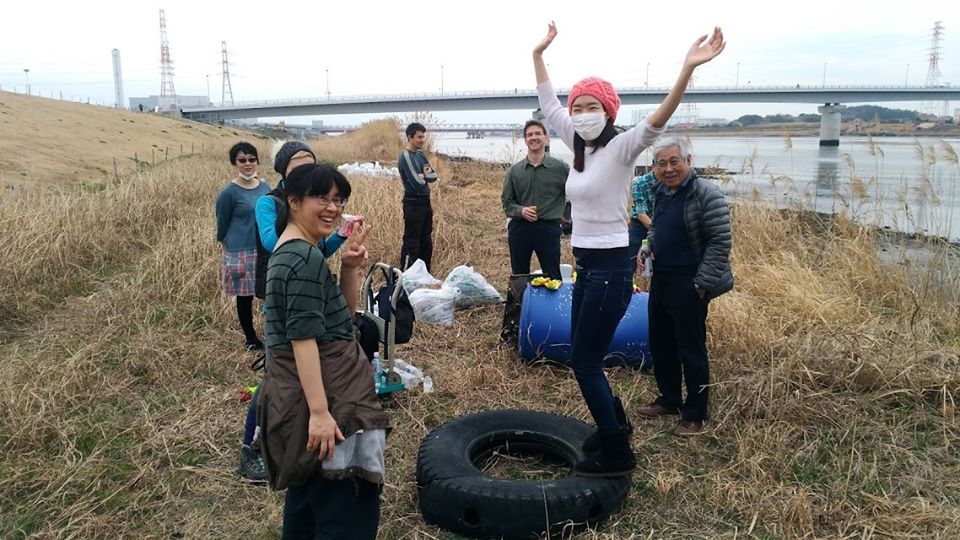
[253, 345]
[252, 468]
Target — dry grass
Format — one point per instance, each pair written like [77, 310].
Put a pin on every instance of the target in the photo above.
[63, 143]
[835, 376]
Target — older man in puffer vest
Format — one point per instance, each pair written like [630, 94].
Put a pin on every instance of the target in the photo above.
[690, 248]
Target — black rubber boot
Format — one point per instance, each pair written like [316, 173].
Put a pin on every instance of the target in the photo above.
[592, 444]
[614, 458]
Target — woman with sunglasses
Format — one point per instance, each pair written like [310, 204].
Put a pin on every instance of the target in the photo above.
[603, 161]
[237, 236]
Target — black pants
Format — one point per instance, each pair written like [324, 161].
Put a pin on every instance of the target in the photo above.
[528, 237]
[678, 342]
[417, 232]
[332, 509]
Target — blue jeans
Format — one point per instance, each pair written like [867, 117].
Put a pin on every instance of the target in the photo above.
[638, 233]
[601, 295]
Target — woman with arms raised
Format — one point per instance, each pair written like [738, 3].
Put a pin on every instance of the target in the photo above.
[597, 189]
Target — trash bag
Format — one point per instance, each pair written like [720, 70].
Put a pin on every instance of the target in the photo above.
[474, 289]
[435, 305]
[417, 277]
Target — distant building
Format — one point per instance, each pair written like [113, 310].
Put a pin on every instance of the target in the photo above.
[639, 116]
[707, 122]
[164, 104]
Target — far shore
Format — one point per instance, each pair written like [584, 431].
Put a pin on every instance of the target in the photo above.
[812, 129]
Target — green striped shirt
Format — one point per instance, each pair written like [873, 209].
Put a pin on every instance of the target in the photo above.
[303, 298]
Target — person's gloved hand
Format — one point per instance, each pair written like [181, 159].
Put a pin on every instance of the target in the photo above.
[350, 224]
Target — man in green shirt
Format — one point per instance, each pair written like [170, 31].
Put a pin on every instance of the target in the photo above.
[534, 198]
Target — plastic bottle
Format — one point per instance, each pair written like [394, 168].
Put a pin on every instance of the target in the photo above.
[377, 370]
[409, 380]
[427, 385]
[409, 368]
[647, 260]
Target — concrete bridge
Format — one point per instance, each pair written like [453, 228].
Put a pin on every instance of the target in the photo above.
[477, 131]
[831, 98]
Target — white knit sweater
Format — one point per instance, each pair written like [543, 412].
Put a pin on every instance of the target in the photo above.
[598, 195]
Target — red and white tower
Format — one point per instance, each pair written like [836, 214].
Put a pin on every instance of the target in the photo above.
[227, 91]
[933, 67]
[168, 95]
[689, 113]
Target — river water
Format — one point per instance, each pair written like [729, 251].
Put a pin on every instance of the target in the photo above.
[903, 183]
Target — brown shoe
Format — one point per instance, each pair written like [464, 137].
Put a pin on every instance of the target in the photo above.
[654, 410]
[688, 428]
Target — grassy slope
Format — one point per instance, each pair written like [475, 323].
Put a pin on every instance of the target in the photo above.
[61, 142]
[834, 380]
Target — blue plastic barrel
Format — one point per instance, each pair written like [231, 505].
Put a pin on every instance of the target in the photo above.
[545, 328]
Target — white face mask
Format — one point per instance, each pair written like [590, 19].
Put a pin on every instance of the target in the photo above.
[589, 125]
[245, 177]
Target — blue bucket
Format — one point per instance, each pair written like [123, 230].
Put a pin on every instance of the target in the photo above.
[545, 329]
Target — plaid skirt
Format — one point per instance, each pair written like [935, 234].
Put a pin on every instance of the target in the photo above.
[238, 271]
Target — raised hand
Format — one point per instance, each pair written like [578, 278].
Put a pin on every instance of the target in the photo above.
[355, 253]
[701, 53]
[547, 40]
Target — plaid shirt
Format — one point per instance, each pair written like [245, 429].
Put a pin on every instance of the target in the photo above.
[642, 190]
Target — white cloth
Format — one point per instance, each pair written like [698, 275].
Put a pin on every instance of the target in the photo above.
[360, 454]
[598, 195]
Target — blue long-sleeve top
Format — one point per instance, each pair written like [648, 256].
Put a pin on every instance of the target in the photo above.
[236, 225]
[266, 217]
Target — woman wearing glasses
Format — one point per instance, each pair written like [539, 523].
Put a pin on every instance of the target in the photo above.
[603, 162]
[237, 235]
[323, 430]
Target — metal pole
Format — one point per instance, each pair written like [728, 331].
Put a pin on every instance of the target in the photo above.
[906, 78]
[208, 87]
[328, 84]
[824, 75]
[646, 82]
[441, 79]
[26, 72]
[737, 84]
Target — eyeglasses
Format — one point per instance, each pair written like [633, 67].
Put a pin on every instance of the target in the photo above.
[244, 161]
[339, 202]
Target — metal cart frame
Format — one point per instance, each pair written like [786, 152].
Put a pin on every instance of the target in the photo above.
[389, 380]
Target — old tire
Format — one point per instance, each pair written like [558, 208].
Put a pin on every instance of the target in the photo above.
[455, 495]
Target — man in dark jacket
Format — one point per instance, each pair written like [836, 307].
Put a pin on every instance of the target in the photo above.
[416, 173]
[690, 247]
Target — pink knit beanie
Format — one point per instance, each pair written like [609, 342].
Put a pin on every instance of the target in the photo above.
[600, 89]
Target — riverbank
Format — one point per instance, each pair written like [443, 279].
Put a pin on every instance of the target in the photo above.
[812, 129]
[834, 374]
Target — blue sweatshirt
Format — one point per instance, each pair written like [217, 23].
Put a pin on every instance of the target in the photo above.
[266, 218]
[673, 251]
[236, 224]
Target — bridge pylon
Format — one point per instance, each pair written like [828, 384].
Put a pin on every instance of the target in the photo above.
[830, 123]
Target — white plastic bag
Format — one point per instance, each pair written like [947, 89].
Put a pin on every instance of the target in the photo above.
[418, 277]
[474, 289]
[435, 305]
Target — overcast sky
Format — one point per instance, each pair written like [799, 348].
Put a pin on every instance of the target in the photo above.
[287, 49]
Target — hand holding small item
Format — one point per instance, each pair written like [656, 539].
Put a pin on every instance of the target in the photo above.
[354, 252]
